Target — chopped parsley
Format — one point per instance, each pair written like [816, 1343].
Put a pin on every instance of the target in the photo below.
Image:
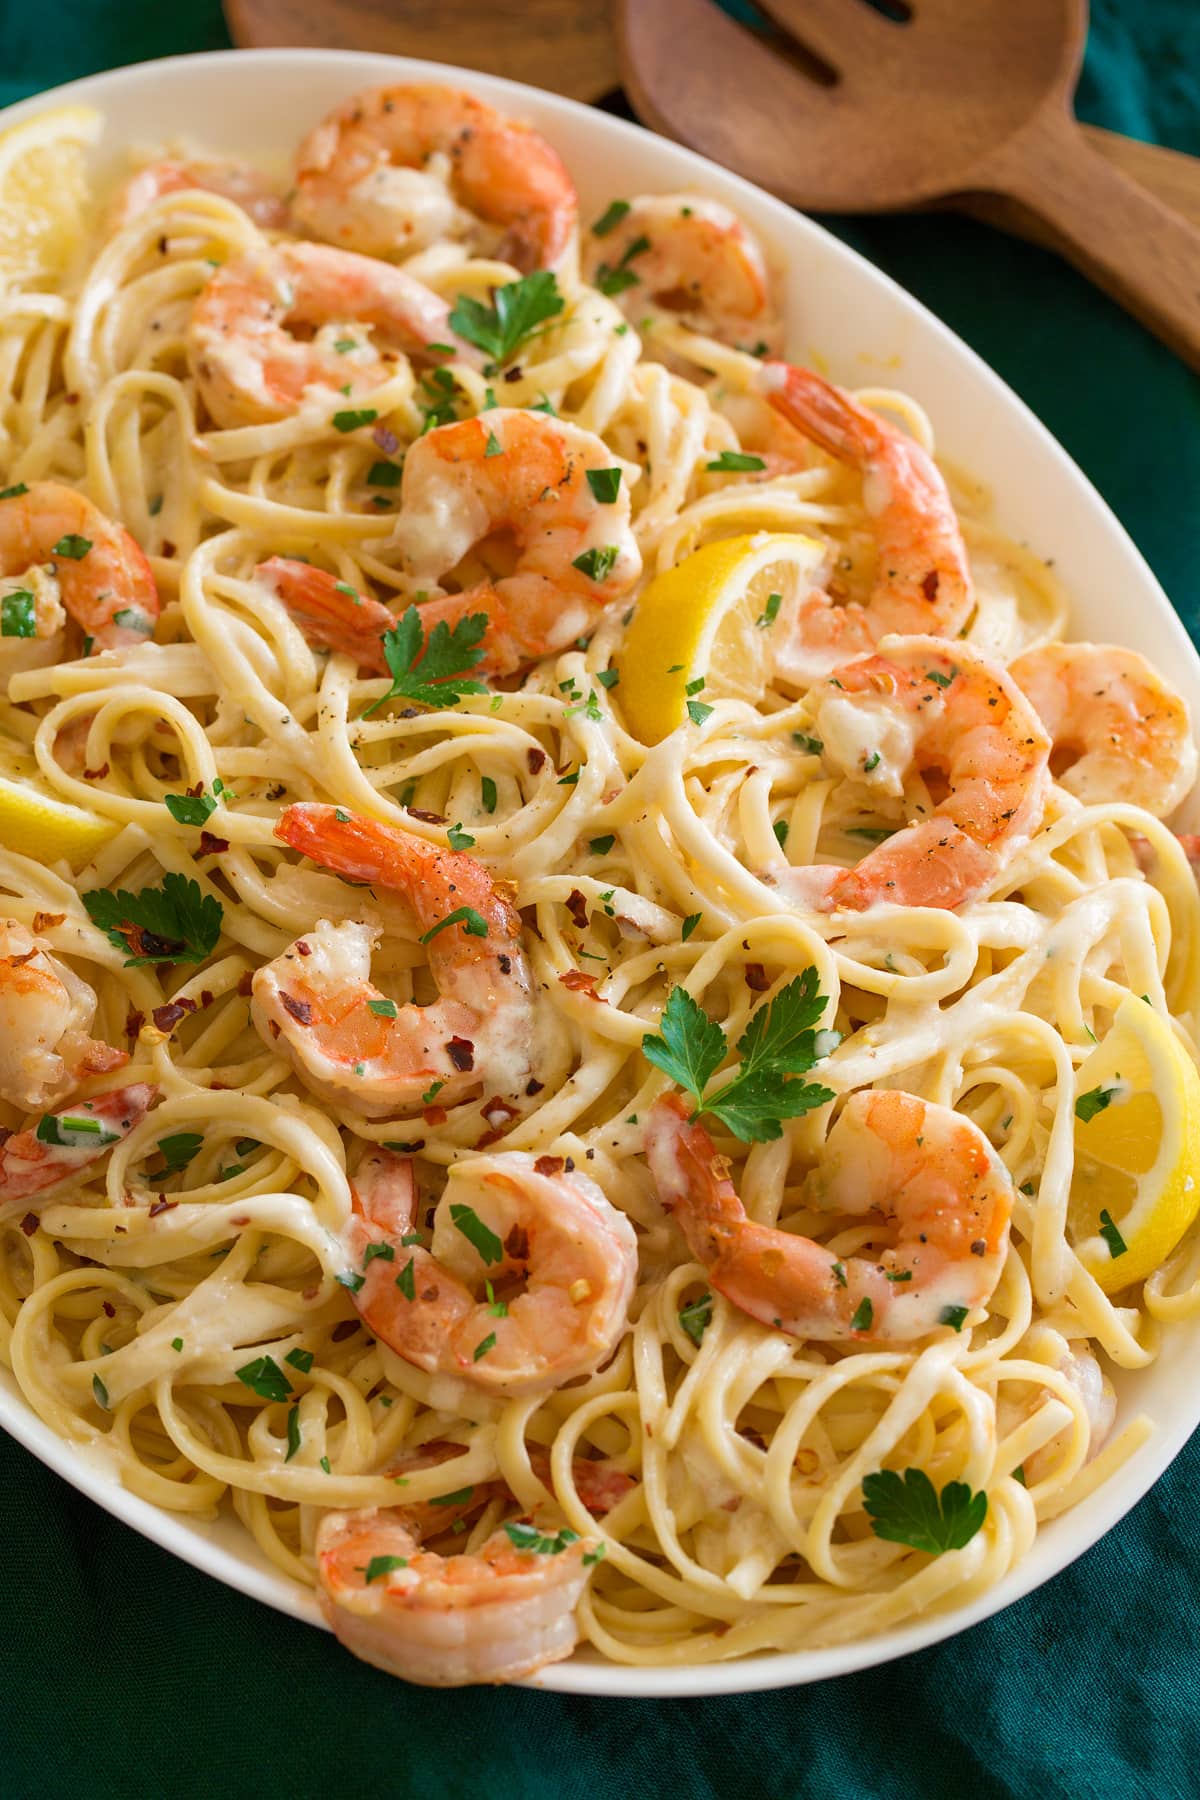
[406, 1280]
[265, 1378]
[1111, 1234]
[18, 618]
[1093, 1102]
[383, 1009]
[689, 925]
[605, 484]
[953, 1315]
[73, 547]
[610, 218]
[293, 1432]
[472, 923]
[517, 309]
[384, 474]
[696, 1317]
[300, 1359]
[354, 418]
[864, 1315]
[527, 1537]
[596, 563]
[732, 462]
[770, 611]
[487, 793]
[480, 1236]
[179, 1149]
[379, 1566]
[459, 839]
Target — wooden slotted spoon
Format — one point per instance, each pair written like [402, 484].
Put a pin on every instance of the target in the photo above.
[879, 105]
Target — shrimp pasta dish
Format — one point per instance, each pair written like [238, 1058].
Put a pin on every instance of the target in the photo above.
[597, 999]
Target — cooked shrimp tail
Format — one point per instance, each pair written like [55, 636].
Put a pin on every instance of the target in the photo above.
[104, 582]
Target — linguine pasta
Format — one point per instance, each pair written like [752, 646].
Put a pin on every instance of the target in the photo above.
[189, 1301]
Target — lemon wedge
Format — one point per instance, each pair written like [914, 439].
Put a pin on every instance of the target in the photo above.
[44, 191]
[35, 822]
[709, 619]
[1137, 1148]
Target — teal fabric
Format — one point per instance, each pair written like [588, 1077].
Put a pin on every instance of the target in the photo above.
[124, 1673]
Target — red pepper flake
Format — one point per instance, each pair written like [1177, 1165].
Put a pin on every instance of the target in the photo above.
[168, 548]
[578, 981]
[167, 1017]
[96, 774]
[343, 1329]
[461, 1052]
[206, 998]
[300, 1010]
[245, 986]
[548, 1165]
[30, 1223]
[929, 585]
[210, 845]
[47, 921]
[516, 1244]
[162, 1205]
[435, 1115]
[18, 962]
[756, 978]
[303, 949]
[536, 760]
[578, 909]
[110, 1311]
[134, 1021]
[533, 1087]
[430, 818]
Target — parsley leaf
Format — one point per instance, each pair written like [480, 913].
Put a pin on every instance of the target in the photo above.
[383, 1565]
[179, 1150]
[175, 923]
[696, 1317]
[1111, 1234]
[18, 617]
[527, 1537]
[265, 1378]
[1093, 1102]
[605, 484]
[432, 671]
[479, 1235]
[779, 1043]
[610, 218]
[193, 809]
[516, 311]
[907, 1509]
[733, 461]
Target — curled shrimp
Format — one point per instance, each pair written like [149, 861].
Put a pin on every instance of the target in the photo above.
[692, 259]
[265, 330]
[240, 182]
[924, 1169]
[520, 476]
[505, 1219]
[397, 168]
[923, 582]
[1120, 732]
[487, 1617]
[350, 1042]
[58, 551]
[64, 1142]
[46, 1014]
[917, 718]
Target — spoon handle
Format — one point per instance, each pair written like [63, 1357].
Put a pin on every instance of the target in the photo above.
[1123, 238]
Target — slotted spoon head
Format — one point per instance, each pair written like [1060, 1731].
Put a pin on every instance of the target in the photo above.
[838, 107]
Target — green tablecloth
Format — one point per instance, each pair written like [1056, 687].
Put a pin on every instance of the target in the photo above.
[122, 1672]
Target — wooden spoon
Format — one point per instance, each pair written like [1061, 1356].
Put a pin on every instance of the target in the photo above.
[570, 47]
[851, 108]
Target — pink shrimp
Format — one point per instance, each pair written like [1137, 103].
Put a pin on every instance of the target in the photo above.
[923, 583]
[46, 1013]
[502, 1218]
[922, 1168]
[397, 168]
[916, 718]
[692, 259]
[64, 1142]
[520, 476]
[345, 1038]
[266, 329]
[1120, 731]
[245, 185]
[55, 546]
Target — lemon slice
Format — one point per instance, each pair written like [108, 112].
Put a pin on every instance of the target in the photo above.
[44, 191]
[35, 822]
[1137, 1152]
[700, 621]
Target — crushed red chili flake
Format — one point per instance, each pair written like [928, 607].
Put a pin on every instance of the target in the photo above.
[206, 997]
[110, 1311]
[162, 1205]
[461, 1052]
[578, 908]
[133, 1022]
[245, 986]
[430, 818]
[300, 1010]
[548, 1165]
[167, 1017]
[516, 1244]
[210, 845]
[168, 548]
[303, 949]
[47, 921]
[96, 774]
[30, 1223]
[533, 1087]
[578, 981]
[536, 759]
[756, 978]
[343, 1329]
[18, 962]
[435, 1115]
